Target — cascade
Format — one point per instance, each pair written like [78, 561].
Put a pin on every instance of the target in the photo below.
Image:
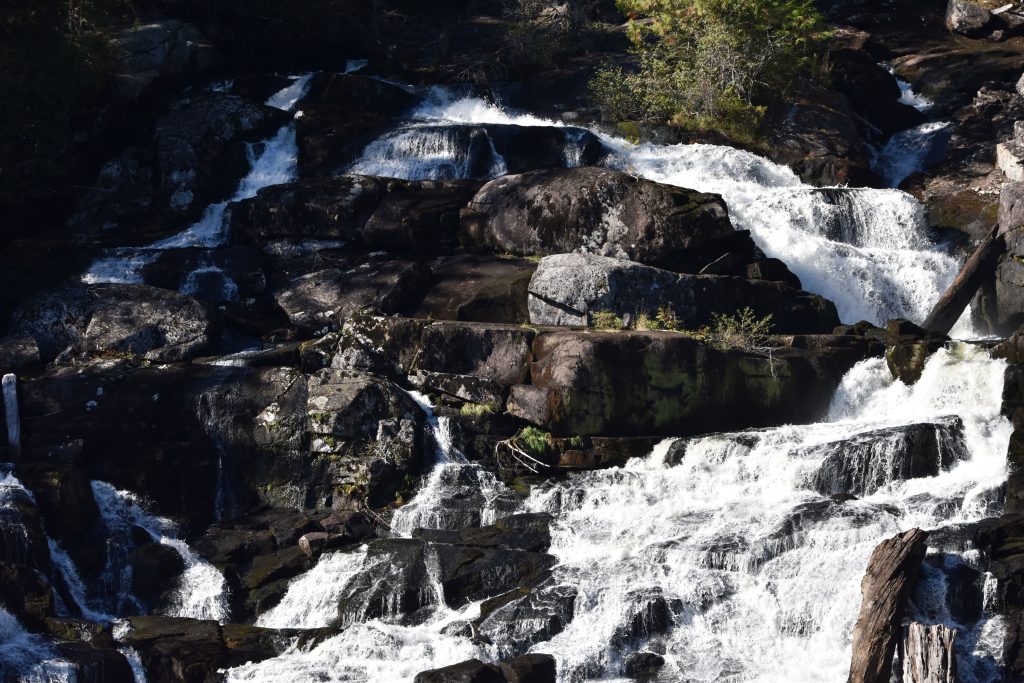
[884, 266]
[271, 162]
[751, 570]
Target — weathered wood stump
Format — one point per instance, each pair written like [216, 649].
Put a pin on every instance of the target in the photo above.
[891, 574]
[928, 655]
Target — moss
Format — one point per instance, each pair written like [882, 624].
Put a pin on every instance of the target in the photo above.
[606, 320]
[479, 409]
[534, 441]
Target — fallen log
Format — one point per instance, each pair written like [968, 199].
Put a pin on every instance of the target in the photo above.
[975, 271]
[928, 655]
[890, 576]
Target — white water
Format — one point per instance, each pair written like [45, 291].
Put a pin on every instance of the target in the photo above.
[271, 162]
[907, 152]
[201, 592]
[312, 599]
[748, 602]
[896, 274]
[34, 660]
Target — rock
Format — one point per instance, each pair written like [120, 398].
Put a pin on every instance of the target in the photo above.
[642, 665]
[520, 619]
[379, 213]
[18, 353]
[196, 156]
[64, 496]
[472, 671]
[872, 90]
[213, 276]
[821, 141]
[112, 319]
[471, 573]
[341, 115]
[890, 576]
[100, 664]
[26, 594]
[315, 543]
[525, 531]
[500, 353]
[569, 289]
[605, 212]
[392, 583]
[22, 538]
[478, 288]
[531, 668]
[167, 49]
[866, 462]
[929, 656]
[1010, 159]
[660, 383]
[368, 430]
[153, 568]
[967, 17]
[319, 302]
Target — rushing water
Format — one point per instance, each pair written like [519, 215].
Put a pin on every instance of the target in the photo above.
[894, 272]
[271, 162]
[761, 573]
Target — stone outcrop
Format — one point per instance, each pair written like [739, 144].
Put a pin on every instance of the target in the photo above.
[605, 212]
[569, 289]
[890, 576]
[115, 320]
[862, 464]
[531, 668]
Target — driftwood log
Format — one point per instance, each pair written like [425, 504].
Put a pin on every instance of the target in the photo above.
[928, 655]
[891, 574]
[975, 271]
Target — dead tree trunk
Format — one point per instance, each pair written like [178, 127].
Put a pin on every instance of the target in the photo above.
[928, 654]
[974, 272]
[891, 574]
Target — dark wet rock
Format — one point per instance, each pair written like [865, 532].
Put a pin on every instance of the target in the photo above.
[604, 212]
[525, 531]
[471, 671]
[822, 142]
[318, 302]
[473, 573]
[478, 288]
[872, 90]
[22, 538]
[230, 273]
[341, 115]
[648, 613]
[531, 668]
[26, 594]
[64, 496]
[18, 353]
[316, 543]
[115, 319]
[569, 289]
[154, 566]
[1003, 540]
[967, 17]
[517, 620]
[368, 429]
[866, 462]
[196, 156]
[888, 581]
[391, 584]
[100, 664]
[380, 213]
[642, 665]
[659, 383]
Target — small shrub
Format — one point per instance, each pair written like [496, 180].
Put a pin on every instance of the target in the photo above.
[532, 440]
[478, 409]
[742, 331]
[606, 320]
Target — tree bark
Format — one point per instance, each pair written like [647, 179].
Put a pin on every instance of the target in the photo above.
[891, 574]
[928, 654]
[975, 270]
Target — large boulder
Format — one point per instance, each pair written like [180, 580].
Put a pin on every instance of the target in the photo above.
[665, 383]
[569, 289]
[115, 320]
[319, 302]
[822, 142]
[866, 462]
[606, 212]
[159, 49]
[64, 497]
[378, 213]
[872, 90]
[478, 288]
[967, 17]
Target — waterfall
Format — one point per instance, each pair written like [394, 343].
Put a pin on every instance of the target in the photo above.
[714, 551]
[271, 162]
[312, 599]
[896, 273]
[30, 655]
[201, 592]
